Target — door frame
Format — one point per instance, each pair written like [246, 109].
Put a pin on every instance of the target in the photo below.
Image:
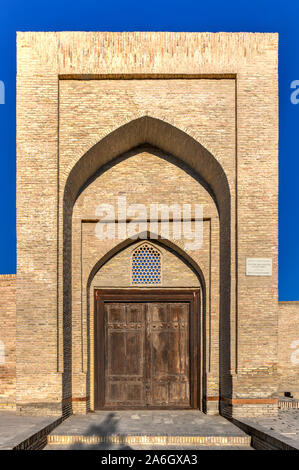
[101, 296]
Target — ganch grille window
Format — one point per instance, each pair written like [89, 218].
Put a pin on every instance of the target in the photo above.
[146, 265]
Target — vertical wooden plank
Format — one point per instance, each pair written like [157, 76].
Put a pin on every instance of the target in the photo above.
[124, 340]
[169, 343]
[100, 350]
[194, 351]
[148, 357]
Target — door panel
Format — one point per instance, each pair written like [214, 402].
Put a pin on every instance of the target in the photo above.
[146, 354]
[169, 345]
[124, 354]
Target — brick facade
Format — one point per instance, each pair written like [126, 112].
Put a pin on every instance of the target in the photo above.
[288, 348]
[7, 342]
[157, 117]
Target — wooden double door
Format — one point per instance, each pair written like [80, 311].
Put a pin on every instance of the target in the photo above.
[145, 350]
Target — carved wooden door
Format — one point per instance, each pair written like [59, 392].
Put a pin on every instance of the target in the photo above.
[146, 355]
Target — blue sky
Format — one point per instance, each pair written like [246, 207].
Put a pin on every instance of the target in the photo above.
[219, 15]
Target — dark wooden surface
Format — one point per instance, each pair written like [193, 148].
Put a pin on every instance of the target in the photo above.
[144, 353]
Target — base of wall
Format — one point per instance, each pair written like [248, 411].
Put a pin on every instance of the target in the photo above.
[248, 408]
[8, 407]
[211, 405]
[81, 405]
[228, 410]
[39, 409]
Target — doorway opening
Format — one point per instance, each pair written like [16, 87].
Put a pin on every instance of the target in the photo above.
[147, 351]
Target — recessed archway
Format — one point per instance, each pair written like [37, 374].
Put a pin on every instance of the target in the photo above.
[193, 293]
[164, 136]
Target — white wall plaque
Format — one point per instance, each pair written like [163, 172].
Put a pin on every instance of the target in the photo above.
[258, 266]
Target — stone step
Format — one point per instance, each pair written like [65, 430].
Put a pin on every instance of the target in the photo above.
[149, 440]
[288, 403]
[187, 428]
[81, 446]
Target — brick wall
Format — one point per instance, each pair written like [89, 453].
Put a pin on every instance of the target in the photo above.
[288, 347]
[7, 341]
[209, 100]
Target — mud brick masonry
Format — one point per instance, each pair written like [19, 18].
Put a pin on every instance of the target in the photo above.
[168, 118]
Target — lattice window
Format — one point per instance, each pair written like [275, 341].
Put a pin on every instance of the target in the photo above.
[146, 265]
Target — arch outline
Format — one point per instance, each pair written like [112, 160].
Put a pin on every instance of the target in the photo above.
[170, 139]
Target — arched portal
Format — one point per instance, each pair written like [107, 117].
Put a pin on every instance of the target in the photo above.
[167, 343]
[193, 158]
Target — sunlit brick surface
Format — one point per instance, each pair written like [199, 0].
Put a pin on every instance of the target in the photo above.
[190, 117]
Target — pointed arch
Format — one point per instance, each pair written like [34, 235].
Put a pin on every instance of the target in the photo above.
[159, 134]
[172, 140]
[193, 155]
[156, 241]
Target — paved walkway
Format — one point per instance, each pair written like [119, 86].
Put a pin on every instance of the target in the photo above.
[15, 429]
[174, 423]
[286, 423]
[179, 428]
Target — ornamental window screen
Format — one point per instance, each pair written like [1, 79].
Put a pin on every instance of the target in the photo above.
[146, 265]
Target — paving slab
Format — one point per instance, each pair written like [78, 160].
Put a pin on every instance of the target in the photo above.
[285, 423]
[15, 429]
[158, 422]
[180, 429]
